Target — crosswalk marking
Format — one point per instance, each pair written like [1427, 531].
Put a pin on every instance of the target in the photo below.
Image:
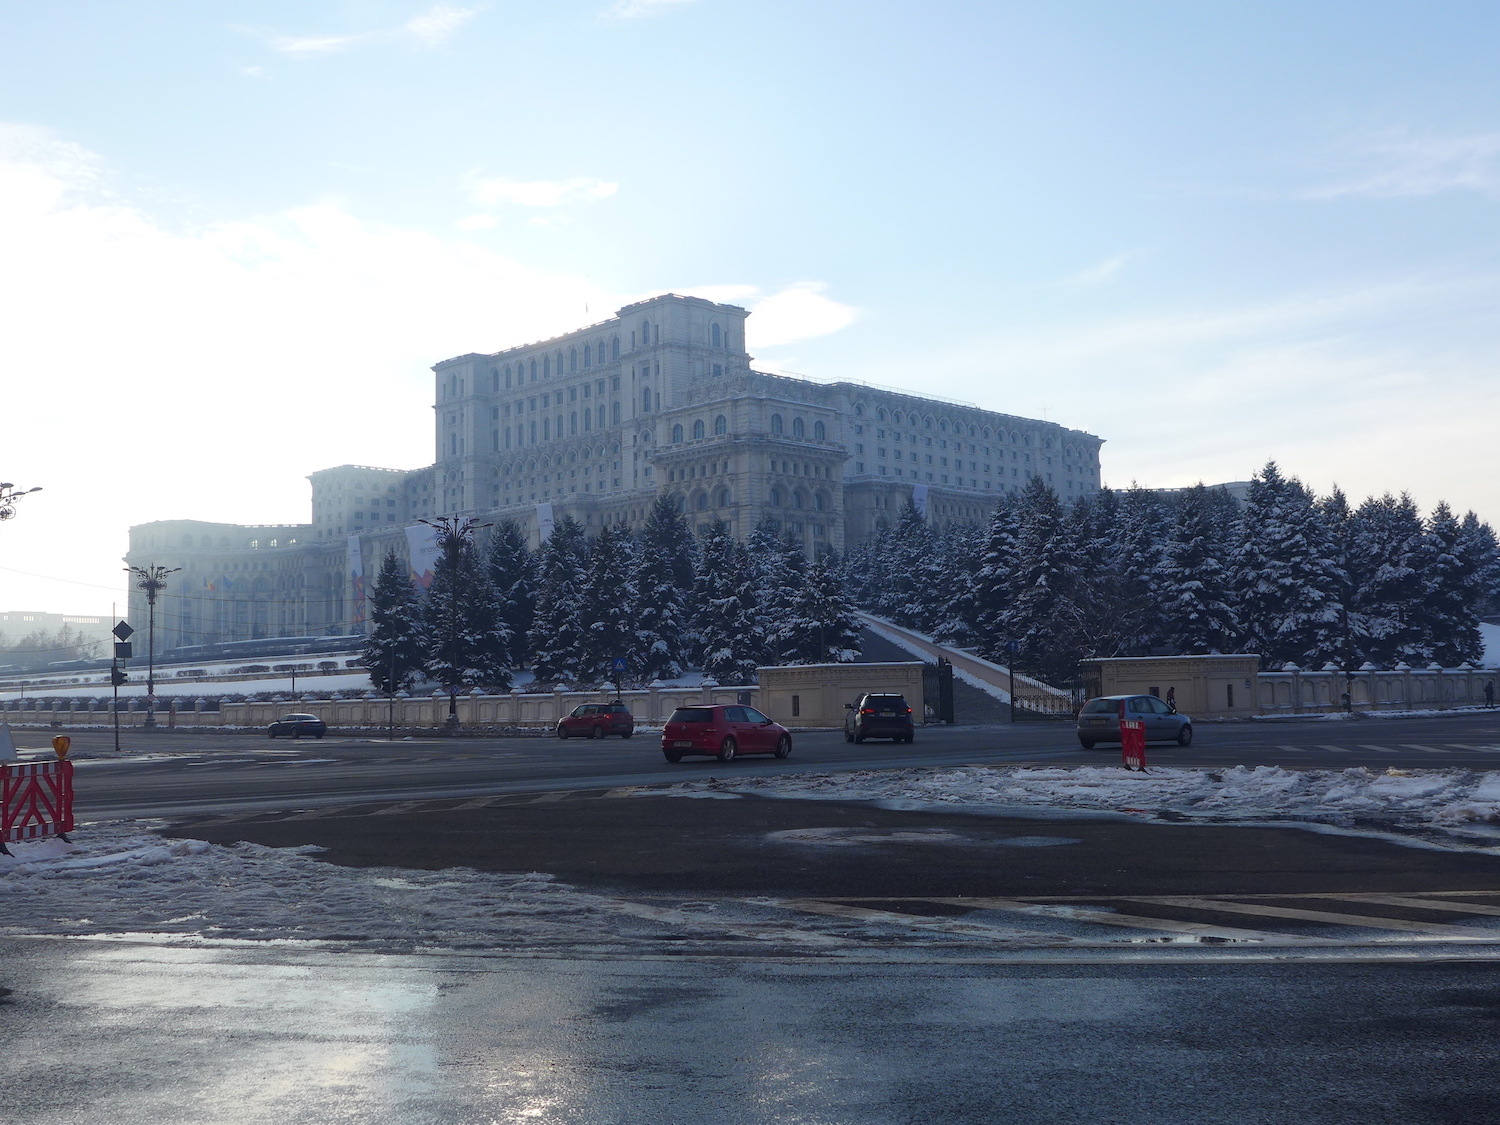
[1481, 749]
[1377, 749]
[546, 798]
[1265, 910]
[623, 791]
[477, 803]
[1429, 749]
[947, 925]
[1337, 749]
[399, 807]
[1293, 749]
[1111, 918]
[314, 814]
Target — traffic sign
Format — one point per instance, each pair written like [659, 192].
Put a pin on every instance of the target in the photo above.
[123, 631]
[123, 650]
[1012, 646]
[619, 664]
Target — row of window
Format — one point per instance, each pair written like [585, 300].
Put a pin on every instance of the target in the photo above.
[943, 425]
[799, 428]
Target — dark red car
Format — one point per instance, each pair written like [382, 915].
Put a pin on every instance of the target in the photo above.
[595, 720]
[725, 732]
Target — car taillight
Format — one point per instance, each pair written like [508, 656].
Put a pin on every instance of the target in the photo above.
[908, 710]
[867, 710]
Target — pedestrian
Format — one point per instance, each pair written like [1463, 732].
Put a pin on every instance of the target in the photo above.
[1489, 693]
[1172, 700]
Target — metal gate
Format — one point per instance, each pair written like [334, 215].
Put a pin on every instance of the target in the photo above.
[937, 692]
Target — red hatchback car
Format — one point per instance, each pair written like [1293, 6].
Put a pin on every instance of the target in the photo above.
[725, 732]
[595, 720]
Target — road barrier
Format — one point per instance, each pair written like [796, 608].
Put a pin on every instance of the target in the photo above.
[1132, 742]
[36, 799]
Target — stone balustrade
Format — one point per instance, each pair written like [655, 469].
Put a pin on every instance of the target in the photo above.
[1293, 690]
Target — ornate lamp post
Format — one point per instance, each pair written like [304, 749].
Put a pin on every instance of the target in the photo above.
[153, 580]
[9, 494]
[453, 534]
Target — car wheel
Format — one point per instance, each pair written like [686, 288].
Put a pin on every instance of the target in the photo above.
[783, 746]
[1086, 743]
[859, 739]
[597, 732]
[270, 734]
[727, 749]
[626, 733]
[320, 734]
[848, 737]
[1185, 735]
[671, 757]
[562, 731]
[910, 739]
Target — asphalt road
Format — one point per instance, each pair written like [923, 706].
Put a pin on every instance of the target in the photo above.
[119, 1033]
[178, 773]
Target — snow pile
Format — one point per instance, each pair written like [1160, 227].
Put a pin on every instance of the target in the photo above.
[122, 880]
[1447, 800]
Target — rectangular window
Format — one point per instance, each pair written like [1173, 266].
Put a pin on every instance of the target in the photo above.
[796, 705]
[1229, 695]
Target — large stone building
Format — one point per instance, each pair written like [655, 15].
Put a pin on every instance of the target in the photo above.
[596, 424]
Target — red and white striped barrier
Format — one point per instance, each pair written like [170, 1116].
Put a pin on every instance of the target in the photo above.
[36, 800]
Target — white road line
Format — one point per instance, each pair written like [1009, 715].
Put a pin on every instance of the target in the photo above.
[1111, 918]
[1424, 903]
[1428, 749]
[1480, 749]
[400, 807]
[1292, 749]
[1368, 922]
[477, 803]
[894, 917]
[1378, 749]
[314, 814]
[1337, 749]
[547, 798]
[624, 791]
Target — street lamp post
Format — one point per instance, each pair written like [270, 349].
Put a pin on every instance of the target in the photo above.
[9, 494]
[153, 580]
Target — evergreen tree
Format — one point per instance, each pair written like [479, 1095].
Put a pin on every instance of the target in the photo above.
[512, 572]
[1391, 558]
[781, 589]
[819, 626]
[558, 637]
[912, 600]
[396, 648]
[1480, 553]
[1044, 618]
[467, 643]
[992, 581]
[728, 622]
[1194, 583]
[955, 575]
[664, 586]
[1285, 576]
[610, 603]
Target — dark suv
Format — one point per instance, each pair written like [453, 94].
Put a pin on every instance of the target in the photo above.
[879, 716]
[595, 720]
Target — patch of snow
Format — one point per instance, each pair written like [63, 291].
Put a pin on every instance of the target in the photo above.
[1457, 802]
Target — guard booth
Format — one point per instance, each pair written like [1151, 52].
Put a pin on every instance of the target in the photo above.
[937, 692]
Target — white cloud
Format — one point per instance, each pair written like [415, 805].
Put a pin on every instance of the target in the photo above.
[1395, 166]
[543, 193]
[254, 71]
[636, 9]
[477, 222]
[800, 311]
[431, 28]
[1097, 274]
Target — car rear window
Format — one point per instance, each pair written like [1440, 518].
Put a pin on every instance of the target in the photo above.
[692, 715]
[1101, 707]
[896, 701]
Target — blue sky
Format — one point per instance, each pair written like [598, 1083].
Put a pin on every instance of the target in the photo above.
[233, 236]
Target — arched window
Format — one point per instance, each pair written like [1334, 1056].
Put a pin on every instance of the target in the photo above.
[797, 500]
[775, 497]
[614, 348]
[546, 367]
[880, 414]
[645, 333]
[927, 422]
[896, 417]
[677, 434]
[646, 399]
[716, 338]
[533, 371]
[702, 502]
[798, 430]
[588, 356]
[859, 409]
[572, 359]
[943, 425]
[573, 422]
[971, 431]
[818, 501]
[820, 432]
[721, 425]
[776, 423]
[698, 430]
[723, 497]
[682, 503]
[507, 376]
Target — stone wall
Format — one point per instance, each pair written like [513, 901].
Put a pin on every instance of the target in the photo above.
[1372, 689]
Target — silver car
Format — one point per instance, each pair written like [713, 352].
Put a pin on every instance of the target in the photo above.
[1099, 721]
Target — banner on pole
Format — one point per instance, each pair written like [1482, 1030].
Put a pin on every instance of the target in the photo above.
[919, 499]
[544, 521]
[422, 549]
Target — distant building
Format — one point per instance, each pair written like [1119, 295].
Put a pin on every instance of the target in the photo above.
[658, 400]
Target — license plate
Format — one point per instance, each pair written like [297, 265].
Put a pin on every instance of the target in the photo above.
[683, 742]
[887, 714]
[1098, 722]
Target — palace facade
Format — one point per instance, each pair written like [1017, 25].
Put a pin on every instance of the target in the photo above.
[596, 424]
